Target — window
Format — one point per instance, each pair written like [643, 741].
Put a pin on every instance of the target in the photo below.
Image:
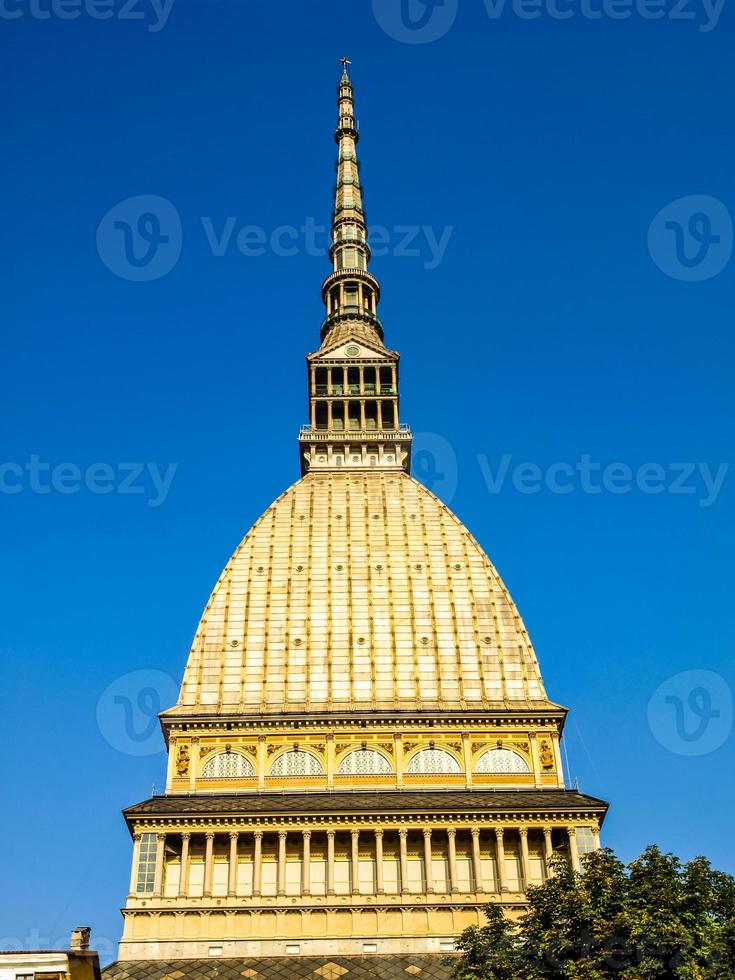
[364, 762]
[433, 762]
[501, 761]
[147, 863]
[228, 765]
[585, 840]
[297, 763]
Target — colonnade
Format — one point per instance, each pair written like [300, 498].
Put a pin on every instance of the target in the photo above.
[437, 843]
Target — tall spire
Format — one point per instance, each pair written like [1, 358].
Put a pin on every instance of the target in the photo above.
[350, 291]
[353, 378]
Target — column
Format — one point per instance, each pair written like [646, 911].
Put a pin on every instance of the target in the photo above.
[452, 853]
[573, 852]
[476, 863]
[306, 863]
[330, 862]
[548, 851]
[258, 863]
[158, 880]
[193, 764]
[362, 415]
[136, 862]
[428, 866]
[208, 864]
[379, 883]
[380, 408]
[467, 756]
[261, 761]
[330, 759]
[398, 743]
[402, 834]
[281, 862]
[596, 838]
[500, 858]
[355, 866]
[232, 867]
[184, 874]
[525, 862]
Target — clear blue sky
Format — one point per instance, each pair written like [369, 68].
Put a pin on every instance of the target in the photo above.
[546, 332]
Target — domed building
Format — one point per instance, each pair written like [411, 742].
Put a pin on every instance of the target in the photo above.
[363, 753]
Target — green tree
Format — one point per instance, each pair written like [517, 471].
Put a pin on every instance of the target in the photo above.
[654, 920]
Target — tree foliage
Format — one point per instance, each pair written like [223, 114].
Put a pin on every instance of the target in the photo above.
[655, 919]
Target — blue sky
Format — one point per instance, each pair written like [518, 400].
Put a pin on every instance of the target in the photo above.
[553, 329]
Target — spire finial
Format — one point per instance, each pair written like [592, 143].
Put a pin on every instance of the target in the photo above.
[345, 61]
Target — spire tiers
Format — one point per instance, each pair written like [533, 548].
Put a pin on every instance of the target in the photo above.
[350, 291]
[353, 378]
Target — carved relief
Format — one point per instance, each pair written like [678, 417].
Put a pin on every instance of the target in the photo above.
[546, 755]
[205, 750]
[182, 761]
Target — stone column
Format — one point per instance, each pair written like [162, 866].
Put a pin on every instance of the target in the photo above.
[548, 845]
[402, 834]
[261, 761]
[330, 862]
[362, 415]
[258, 863]
[525, 861]
[476, 863]
[596, 838]
[355, 862]
[398, 742]
[136, 862]
[573, 852]
[467, 756]
[208, 864]
[500, 858]
[330, 761]
[379, 883]
[281, 862]
[184, 874]
[306, 863]
[194, 764]
[452, 854]
[158, 879]
[232, 867]
[428, 866]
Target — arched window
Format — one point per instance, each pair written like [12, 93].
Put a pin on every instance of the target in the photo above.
[364, 762]
[228, 765]
[433, 762]
[501, 761]
[297, 763]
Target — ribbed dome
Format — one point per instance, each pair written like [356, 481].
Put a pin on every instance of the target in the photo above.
[359, 591]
